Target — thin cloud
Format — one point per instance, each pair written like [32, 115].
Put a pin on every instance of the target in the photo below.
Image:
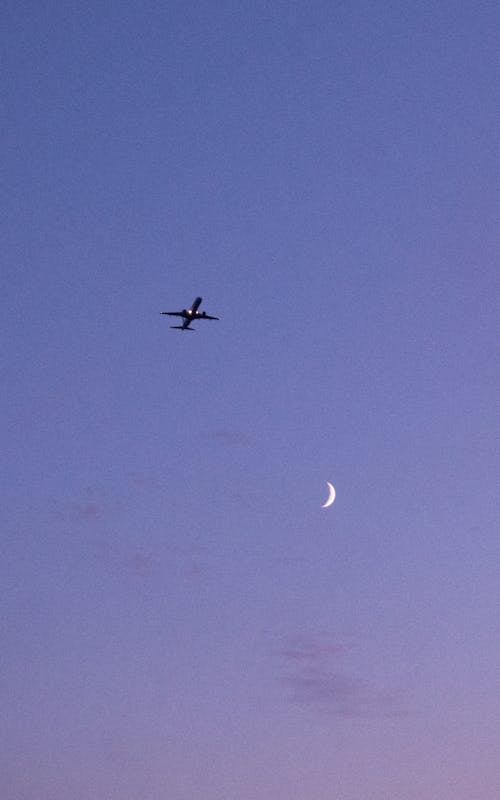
[288, 561]
[225, 436]
[311, 672]
[339, 694]
[92, 506]
[84, 512]
[142, 565]
[146, 481]
[306, 648]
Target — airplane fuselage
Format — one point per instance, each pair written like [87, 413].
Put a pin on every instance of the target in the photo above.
[192, 313]
[188, 315]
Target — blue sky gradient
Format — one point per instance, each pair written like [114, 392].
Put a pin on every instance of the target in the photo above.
[181, 619]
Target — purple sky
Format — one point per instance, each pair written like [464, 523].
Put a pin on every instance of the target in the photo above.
[180, 618]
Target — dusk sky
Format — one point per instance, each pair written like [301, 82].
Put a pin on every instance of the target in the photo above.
[181, 620]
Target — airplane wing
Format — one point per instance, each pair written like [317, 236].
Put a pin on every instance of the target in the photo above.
[205, 316]
[173, 313]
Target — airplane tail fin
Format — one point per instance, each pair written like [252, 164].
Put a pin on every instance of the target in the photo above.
[182, 328]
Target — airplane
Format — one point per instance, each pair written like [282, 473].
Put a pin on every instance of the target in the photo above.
[188, 315]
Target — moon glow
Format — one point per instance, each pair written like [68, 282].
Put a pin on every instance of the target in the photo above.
[331, 496]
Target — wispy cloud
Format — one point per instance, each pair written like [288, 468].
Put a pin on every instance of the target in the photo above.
[142, 565]
[304, 648]
[288, 561]
[311, 671]
[84, 512]
[330, 692]
[147, 480]
[226, 436]
[91, 506]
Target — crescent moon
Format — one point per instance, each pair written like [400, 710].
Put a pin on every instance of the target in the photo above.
[331, 496]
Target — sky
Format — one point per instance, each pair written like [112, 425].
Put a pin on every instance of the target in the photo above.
[180, 617]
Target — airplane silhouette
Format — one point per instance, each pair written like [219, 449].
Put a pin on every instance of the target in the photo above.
[188, 315]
